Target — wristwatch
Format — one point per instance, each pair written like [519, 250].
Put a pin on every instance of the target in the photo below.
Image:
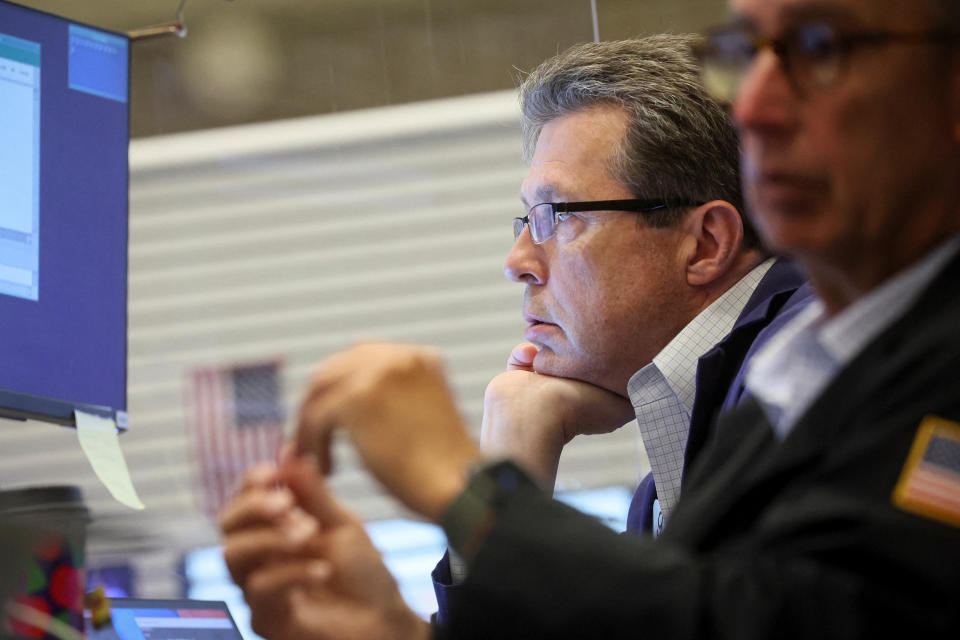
[472, 515]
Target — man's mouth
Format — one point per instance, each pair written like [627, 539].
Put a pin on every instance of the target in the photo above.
[533, 320]
[540, 330]
[786, 192]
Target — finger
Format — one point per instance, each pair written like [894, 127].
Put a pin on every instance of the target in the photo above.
[321, 382]
[325, 449]
[286, 452]
[309, 488]
[314, 426]
[246, 551]
[267, 584]
[521, 357]
[308, 417]
[262, 475]
[325, 376]
[255, 507]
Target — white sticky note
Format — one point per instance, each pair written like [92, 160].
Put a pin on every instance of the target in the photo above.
[98, 439]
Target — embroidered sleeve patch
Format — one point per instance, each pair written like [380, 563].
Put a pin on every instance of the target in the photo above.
[929, 484]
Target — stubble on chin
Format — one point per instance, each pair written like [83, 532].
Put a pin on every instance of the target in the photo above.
[548, 362]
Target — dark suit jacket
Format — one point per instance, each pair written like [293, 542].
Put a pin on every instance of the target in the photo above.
[778, 296]
[787, 539]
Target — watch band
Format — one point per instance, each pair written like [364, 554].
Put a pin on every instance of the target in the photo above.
[472, 515]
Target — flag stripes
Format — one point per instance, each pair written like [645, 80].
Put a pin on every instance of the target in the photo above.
[228, 441]
[930, 482]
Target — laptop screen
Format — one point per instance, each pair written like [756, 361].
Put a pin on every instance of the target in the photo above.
[137, 619]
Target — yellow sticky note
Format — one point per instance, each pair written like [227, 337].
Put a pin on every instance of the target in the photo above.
[98, 439]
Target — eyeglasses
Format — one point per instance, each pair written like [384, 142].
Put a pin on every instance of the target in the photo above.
[543, 218]
[814, 55]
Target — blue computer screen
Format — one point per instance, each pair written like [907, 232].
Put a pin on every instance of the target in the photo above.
[64, 136]
[137, 619]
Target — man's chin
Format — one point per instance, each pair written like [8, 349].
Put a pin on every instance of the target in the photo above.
[549, 363]
[577, 367]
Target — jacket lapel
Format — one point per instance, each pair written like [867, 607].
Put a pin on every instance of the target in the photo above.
[717, 369]
[744, 465]
[889, 368]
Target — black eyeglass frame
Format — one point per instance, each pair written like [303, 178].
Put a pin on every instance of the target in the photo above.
[632, 205]
[786, 47]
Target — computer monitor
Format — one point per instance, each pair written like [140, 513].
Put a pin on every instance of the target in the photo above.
[138, 619]
[64, 173]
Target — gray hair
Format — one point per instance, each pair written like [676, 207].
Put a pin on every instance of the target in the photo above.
[679, 143]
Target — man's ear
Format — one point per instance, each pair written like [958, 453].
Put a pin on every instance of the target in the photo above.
[717, 229]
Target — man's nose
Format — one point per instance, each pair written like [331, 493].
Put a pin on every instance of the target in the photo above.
[525, 262]
[766, 100]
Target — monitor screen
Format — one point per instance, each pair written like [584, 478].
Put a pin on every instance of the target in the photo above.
[64, 137]
[136, 619]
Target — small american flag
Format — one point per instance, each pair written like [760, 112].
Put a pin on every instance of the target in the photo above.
[930, 482]
[238, 423]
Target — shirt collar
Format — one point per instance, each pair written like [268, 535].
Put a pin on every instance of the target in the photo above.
[674, 369]
[792, 369]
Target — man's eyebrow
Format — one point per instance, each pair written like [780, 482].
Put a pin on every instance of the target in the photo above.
[842, 16]
[820, 11]
[544, 193]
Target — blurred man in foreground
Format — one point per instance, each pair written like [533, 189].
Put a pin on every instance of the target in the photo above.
[826, 505]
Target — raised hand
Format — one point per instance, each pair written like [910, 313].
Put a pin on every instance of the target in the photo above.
[529, 416]
[394, 403]
[270, 547]
[306, 566]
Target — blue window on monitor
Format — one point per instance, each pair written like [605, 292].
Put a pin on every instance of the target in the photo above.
[20, 167]
[98, 63]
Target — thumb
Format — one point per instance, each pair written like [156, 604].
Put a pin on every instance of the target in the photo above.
[310, 490]
[521, 357]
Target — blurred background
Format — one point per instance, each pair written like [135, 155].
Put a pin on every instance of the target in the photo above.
[254, 60]
[305, 174]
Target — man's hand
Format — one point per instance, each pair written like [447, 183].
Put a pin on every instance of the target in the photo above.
[530, 417]
[267, 543]
[262, 525]
[334, 586]
[394, 403]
